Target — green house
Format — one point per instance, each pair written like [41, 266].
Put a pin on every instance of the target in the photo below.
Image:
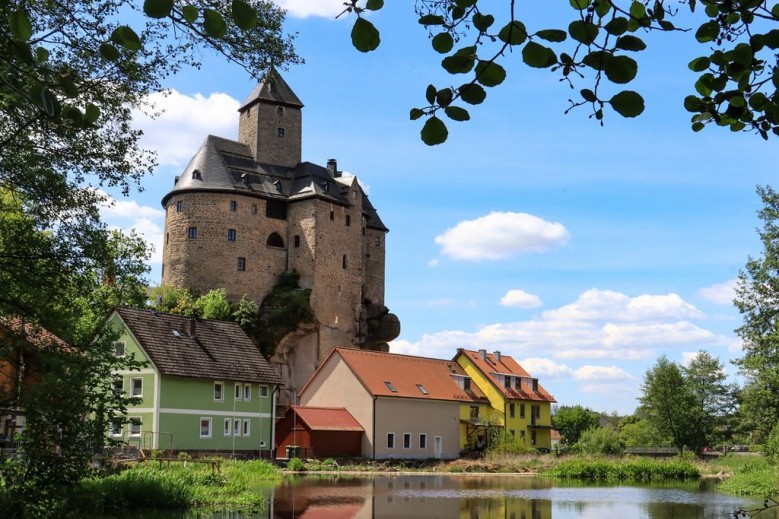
[205, 388]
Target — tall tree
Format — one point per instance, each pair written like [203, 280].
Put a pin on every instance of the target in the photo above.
[757, 298]
[714, 399]
[572, 421]
[594, 45]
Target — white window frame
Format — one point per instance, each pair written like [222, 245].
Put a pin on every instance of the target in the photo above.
[123, 347]
[210, 432]
[391, 435]
[131, 423]
[222, 391]
[237, 427]
[247, 392]
[228, 427]
[423, 441]
[247, 427]
[264, 392]
[237, 394]
[406, 444]
[132, 387]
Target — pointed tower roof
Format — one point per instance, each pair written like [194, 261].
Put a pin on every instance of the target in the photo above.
[274, 89]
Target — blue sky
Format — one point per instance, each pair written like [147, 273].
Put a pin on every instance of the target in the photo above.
[584, 252]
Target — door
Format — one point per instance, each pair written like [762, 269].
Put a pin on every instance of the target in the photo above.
[437, 447]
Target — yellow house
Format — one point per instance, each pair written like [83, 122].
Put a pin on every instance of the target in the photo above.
[518, 402]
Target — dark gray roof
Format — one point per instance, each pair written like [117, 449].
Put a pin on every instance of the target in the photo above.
[223, 165]
[219, 350]
[274, 89]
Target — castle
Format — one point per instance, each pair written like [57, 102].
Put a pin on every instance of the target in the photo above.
[243, 212]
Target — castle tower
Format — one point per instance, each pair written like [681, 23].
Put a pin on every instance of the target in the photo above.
[241, 213]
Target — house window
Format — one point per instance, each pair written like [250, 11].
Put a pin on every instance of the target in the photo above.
[422, 441]
[297, 240]
[241, 264]
[247, 427]
[279, 132]
[237, 391]
[136, 387]
[237, 427]
[511, 410]
[511, 432]
[474, 412]
[228, 430]
[275, 240]
[532, 437]
[521, 410]
[135, 426]
[507, 382]
[467, 383]
[233, 205]
[192, 233]
[422, 389]
[116, 428]
[535, 385]
[231, 234]
[535, 411]
[390, 440]
[119, 349]
[517, 384]
[406, 440]
[119, 385]
[219, 392]
[179, 206]
[205, 427]
[348, 220]
[264, 391]
[390, 386]
[247, 392]
[522, 436]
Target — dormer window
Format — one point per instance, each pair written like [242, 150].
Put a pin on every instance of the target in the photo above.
[196, 175]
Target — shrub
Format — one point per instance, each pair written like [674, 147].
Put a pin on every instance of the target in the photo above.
[296, 464]
[501, 442]
[599, 440]
[771, 448]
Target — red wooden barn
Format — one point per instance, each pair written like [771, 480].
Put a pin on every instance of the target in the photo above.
[319, 432]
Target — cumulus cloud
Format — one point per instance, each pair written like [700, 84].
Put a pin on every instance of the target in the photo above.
[501, 235]
[520, 299]
[306, 8]
[720, 293]
[128, 215]
[601, 373]
[607, 305]
[183, 123]
[545, 368]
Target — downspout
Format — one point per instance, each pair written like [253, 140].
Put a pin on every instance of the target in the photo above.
[373, 443]
[272, 445]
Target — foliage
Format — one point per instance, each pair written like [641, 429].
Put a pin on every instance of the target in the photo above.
[296, 464]
[284, 308]
[641, 433]
[596, 44]
[757, 478]
[771, 448]
[599, 440]
[757, 299]
[214, 305]
[572, 421]
[503, 442]
[638, 469]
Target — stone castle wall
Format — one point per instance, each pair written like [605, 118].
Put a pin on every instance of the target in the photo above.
[277, 137]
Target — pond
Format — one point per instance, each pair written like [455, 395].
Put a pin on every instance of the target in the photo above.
[493, 496]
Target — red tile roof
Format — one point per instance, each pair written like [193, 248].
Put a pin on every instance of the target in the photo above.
[33, 334]
[410, 376]
[327, 418]
[507, 366]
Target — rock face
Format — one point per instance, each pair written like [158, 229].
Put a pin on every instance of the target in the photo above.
[244, 212]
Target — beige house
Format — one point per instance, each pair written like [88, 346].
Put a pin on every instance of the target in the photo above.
[408, 406]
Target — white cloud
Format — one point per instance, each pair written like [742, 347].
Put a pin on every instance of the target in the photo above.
[127, 215]
[306, 8]
[721, 293]
[520, 299]
[433, 262]
[114, 208]
[607, 305]
[602, 374]
[545, 368]
[184, 122]
[501, 235]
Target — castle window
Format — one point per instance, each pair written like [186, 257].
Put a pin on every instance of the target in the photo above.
[280, 111]
[231, 234]
[348, 220]
[279, 132]
[344, 261]
[241, 264]
[192, 233]
[167, 237]
[179, 206]
[274, 240]
[196, 175]
[276, 209]
[377, 242]
[332, 214]
[254, 208]
[233, 205]
[297, 240]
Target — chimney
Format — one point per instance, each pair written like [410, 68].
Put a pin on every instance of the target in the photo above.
[192, 327]
[497, 355]
[483, 355]
[332, 167]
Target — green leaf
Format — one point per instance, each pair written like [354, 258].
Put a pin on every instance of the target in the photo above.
[490, 74]
[775, 10]
[583, 32]
[434, 132]
[758, 100]
[709, 31]
[693, 104]
[69, 88]
[431, 19]
[457, 114]
[157, 8]
[443, 42]
[41, 54]
[91, 113]
[743, 54]
[696, 127]
[458, 64]
[190, 13]
[537, 56]
[588, 95]
[775, 78]
[415, 114]
[555, 35]
[699, 64]
[597, 59]
[20, 25]
[580, 5]
[444, 96]
[482, 22]
[215, 25]
[513, 33]
[244, 15]
[109, 52]
[72, 113]
[632, 43]
[472, 93]
[603, 8]
[365, 37]
[126, 37]
[617, 26]
[457, 12]
[430, 94]
[637, 10]
[374, 5]
[621, 69]
[627, 103]
[771, 38]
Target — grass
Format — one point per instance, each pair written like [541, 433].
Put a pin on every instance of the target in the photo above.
[755, 478]
[624, 469]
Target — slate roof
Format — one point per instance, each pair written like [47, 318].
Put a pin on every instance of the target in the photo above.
[506, 366]
[218, 349]
[406, 373]
[274, 89]
[327, 418]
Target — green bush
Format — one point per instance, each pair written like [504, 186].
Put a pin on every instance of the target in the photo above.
[771, 448]
[599, 440]
[639, 469]
[296, 464]
[757, 478]
[502, 442]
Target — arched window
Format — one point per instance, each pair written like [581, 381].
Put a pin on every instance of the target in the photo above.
[274, 240]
